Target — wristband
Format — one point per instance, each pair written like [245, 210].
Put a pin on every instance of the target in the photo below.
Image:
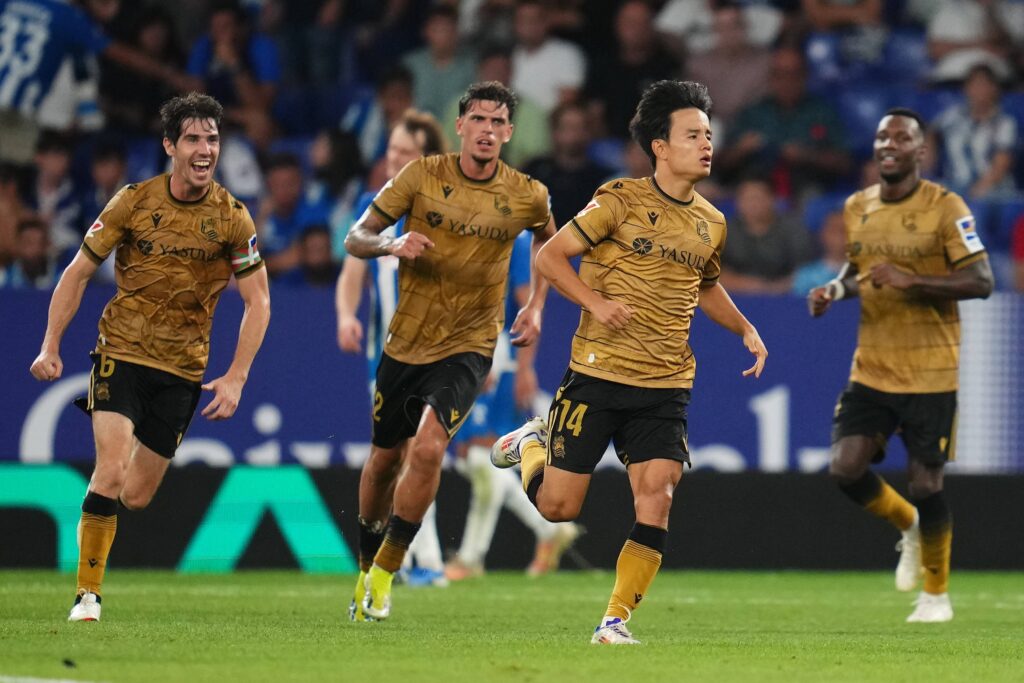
[836, 289]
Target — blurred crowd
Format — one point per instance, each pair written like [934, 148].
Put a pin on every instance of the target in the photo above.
[312, 88]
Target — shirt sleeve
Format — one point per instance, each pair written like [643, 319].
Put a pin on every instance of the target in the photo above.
[110, 228]
[598, 219]
[245, 255]
[959, 231]
[541, 206]
[85, 34]
[395, 199]
[713, 268]
[851, 213]
[266, 65]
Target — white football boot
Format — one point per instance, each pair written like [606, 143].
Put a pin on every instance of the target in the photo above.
[931, 609]
[909, 570]
[87, 607]
[507, 451]
[613, 631]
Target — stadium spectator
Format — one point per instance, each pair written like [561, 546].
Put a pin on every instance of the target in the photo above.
[312, 40]
[316, 267]
[859, 25]
[735, 69]
[976, 139]
[371, 118]
[284, 213]
[12, 211]
[687, 25]
[53, 194]
[635, 164]
[59, 31]
[968, 32]
[568, 173]
[764, 248]
[548, 70]
[616, 78]
[532, 137]
[239, 67]
[440, 70]
[129, 99]
[107, 175]
[791, 134]
[832, 238]
[33, 267]
[337, 182]
[904, 375]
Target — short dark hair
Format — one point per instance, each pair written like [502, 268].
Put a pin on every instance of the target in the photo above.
[33, 222]
[492, 91]
[434, 141]
[653, 117]
[908, 113]
[394, 74]
[54, 141]
[108, 149]
[195, 106]
[283, 160]
[442, 12]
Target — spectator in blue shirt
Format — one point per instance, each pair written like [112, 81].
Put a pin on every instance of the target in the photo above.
[316, 267]
[284, 213]
[33, 267]
[832, 238]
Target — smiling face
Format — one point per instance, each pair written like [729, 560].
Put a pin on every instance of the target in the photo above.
[899, 148]
[194, 155]
[687, 152]
[484, 128]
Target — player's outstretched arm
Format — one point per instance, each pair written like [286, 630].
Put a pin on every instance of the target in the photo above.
[526, 327]
[846, 285]
[974, 281]
[718, 305]
[64, 303]
[365, 241]
[346, 304]
[227, 389]
[553, 262]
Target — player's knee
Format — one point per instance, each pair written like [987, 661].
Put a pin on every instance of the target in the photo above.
[558, 510]
[135, 500]
[842, 471]
[427, 453]
[653, 505]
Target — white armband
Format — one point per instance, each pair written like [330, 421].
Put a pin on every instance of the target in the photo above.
[836, 289]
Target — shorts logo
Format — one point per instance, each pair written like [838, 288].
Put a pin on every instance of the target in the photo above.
[702, 231]
[642, 246]
[146, 247]
[501, 204]
[434, 218]
[454, 416]
[102, 391]
[558, 447]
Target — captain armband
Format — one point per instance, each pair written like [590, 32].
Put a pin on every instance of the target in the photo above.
[836, 289]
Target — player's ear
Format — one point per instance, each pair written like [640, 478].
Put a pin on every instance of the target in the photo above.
[658, 147]
[168, 147]
[509, 130]
[458, 126]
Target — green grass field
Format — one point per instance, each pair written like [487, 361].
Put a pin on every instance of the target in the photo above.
[700, 626]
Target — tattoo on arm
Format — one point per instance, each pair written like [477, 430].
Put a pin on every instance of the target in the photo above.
[364, 239]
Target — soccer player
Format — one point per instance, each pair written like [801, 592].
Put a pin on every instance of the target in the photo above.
[463, 211]
[417, 134]
[651, 254]
[179, 237]
[912, 251]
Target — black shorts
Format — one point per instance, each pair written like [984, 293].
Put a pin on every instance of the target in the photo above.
[587, 413]
[159, 404]
[926, 422]
[449, 385]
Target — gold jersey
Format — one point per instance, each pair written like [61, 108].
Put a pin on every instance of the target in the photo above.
[173, 260]
[652, 253]
[907, 343]
[451, 298]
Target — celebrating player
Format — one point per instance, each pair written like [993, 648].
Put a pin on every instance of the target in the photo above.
[652, 253]
[178, 237]
[463, 211]
[912, 253]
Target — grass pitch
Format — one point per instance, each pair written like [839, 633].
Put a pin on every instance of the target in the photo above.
[699, 626]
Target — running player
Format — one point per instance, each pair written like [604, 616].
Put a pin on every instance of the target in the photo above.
[913, 252]
[179, 238]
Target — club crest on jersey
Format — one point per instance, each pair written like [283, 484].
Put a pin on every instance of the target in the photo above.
[501, 204]
[909, 221]
[208, 227]
[702, 231]
[93, 229]
[588, 208]
[969, 234]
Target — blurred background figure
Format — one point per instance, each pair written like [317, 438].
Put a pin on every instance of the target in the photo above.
[33, 266]
[284, 213]
[975, 140]
[966, 32]
[12, 211]
[53, 194]
[548, 70]
[764, 247]
[316, 267]
[832, 245]
[372, 117]
[440, 70]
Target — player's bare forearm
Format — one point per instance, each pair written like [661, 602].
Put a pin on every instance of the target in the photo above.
[67, 297]
[720, 308]
[349, 288]
[255, 293]
[364, 239]
[538, 283]
[974, 281]
[554, 264]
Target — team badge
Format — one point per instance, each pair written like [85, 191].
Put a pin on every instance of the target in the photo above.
[702, 231]
[208, 227]
[501, 204]
[93, 229]
[588, 208]
[909, 221]
[558, 447]
[102, 392]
